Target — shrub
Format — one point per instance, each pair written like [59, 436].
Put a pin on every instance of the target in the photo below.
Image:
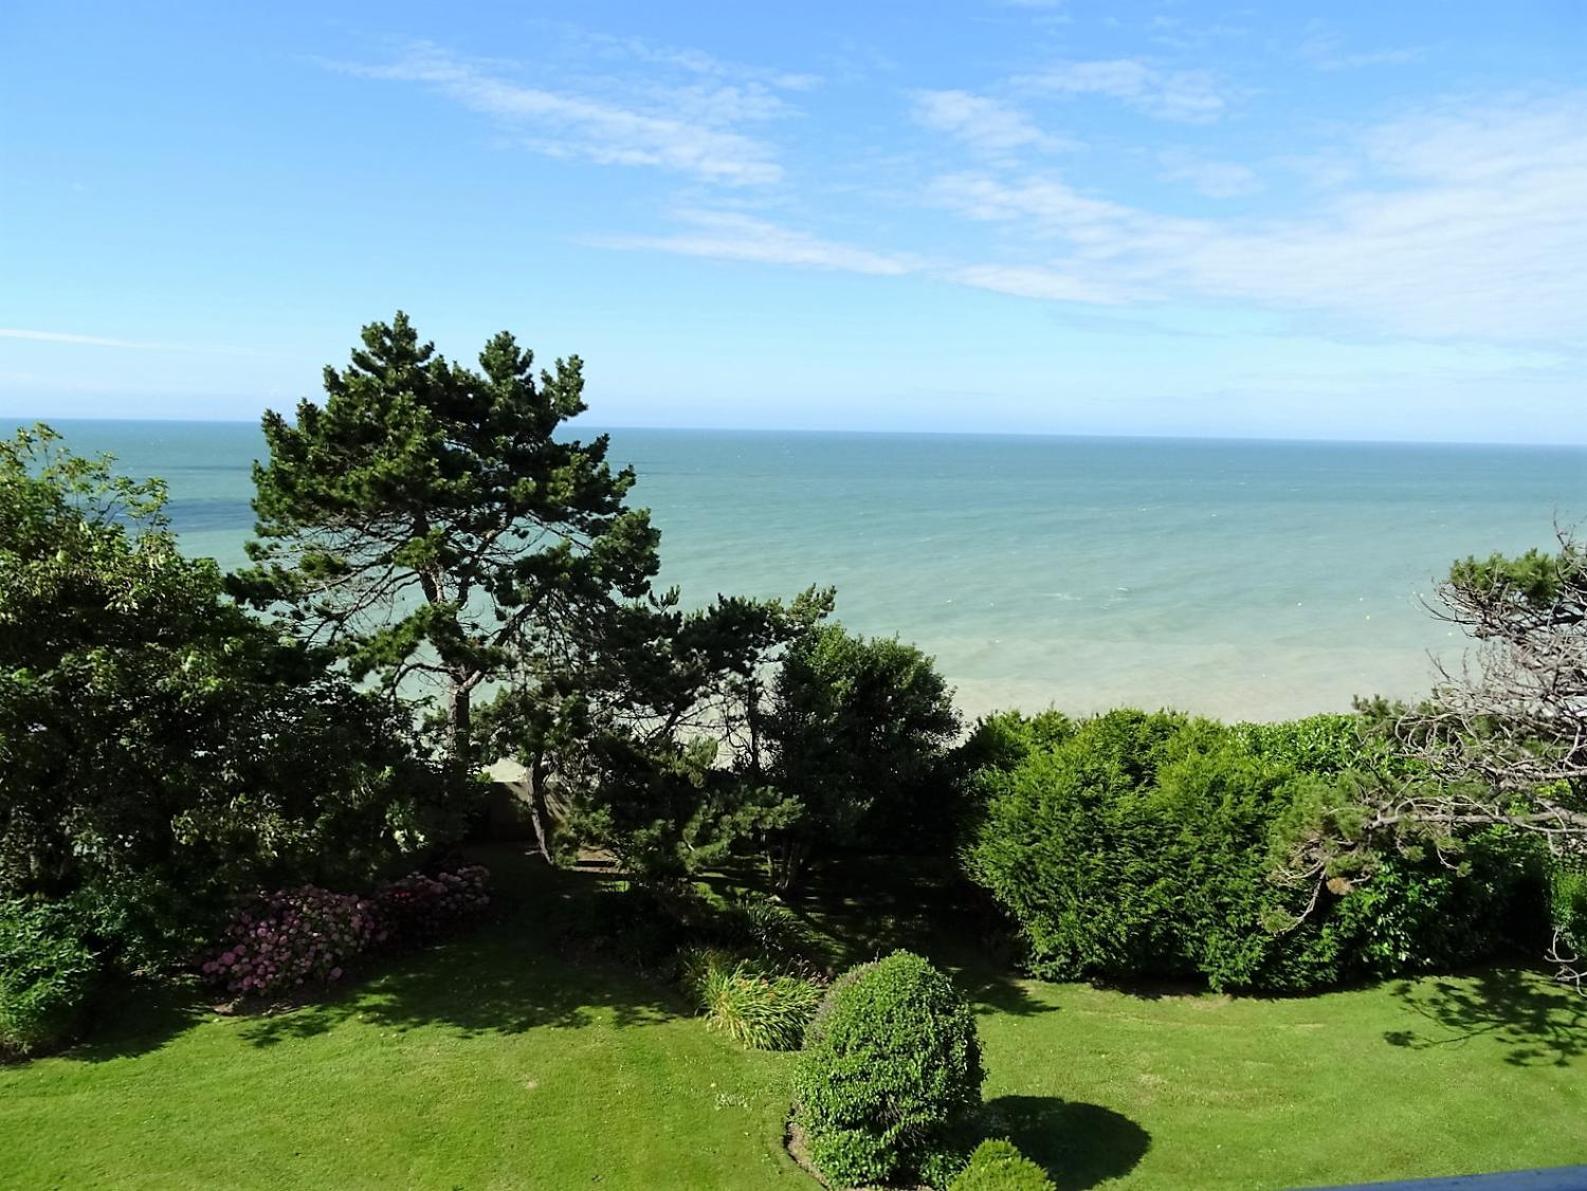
[294, 937]
[891, 1066]
[765, 1010]
[1145, 846]
[46, 976]
[997, 1165]
[419, 907]
[1568, 908]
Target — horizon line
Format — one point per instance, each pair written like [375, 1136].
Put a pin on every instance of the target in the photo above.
[924, 433]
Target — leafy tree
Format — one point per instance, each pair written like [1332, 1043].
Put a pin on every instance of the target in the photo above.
[637, 720]
[429, 523]
[152, 734]
[856, 735]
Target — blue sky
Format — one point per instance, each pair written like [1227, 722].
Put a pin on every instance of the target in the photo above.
[1343, 220]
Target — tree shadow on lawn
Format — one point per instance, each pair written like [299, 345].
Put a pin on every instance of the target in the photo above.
[138, 1018]
[864, 911]
[1079, 1145]
[487, 983]
[1539, 1023]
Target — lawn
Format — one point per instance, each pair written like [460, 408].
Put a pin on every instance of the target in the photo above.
[496, 1061]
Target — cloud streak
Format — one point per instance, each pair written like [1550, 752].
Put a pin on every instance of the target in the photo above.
[723, 235]
[74, 339]
[985, 125]
[703, 142]
[1185, 96]
[1468, 224]
[1462, 223]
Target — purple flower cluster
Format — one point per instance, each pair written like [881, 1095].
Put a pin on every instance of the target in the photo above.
[423, 907]
[308, 935]
[292, 937]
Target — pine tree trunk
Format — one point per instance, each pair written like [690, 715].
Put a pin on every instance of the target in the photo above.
[460, 726]
[537, 806]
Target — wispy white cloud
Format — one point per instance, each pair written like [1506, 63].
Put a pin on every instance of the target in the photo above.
[1036, 281]
[728, 235]
[696, 62]
[684, 131]
[1215, 179]
[986, 125]
[77, 340]
[1324, 48]
[1188, 96]
[1468, 223]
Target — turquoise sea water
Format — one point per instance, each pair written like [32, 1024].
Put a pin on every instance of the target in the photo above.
[1247, 579]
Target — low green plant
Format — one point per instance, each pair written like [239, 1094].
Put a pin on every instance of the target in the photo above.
[758, 1008]
[891, 1067]
[1567, 888]
[47, 973]
[997, 1165]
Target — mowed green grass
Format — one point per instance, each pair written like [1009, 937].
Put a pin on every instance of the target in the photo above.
[494, 1061]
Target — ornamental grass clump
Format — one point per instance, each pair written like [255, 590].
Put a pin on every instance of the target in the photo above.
[891, 1070]
[294, 937]
[997, 1165]
[761, 1009]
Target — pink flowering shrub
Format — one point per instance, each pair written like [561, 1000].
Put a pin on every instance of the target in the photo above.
[308, 935]
[420, 907]
[294, 937]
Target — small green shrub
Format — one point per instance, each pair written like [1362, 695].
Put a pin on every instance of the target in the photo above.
[764, 1010]
[998, 1165]
[46, 976]
[891, 1066]
[1568, 908]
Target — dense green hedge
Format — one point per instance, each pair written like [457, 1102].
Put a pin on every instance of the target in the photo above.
[1138, 844]
[891, 1067]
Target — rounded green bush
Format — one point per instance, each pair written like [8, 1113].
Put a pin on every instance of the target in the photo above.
[891, 1064]
[46, 975]
[998, 1165]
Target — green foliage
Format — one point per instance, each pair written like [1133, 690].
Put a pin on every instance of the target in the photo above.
[997, 1165]
[153, 735]
[769, 930]
[1150, 845]
[891, 1065]
[47, 973]
[858, 731]
[1528, 582]
[1567, 886]
[766, 1010]
[430, 520]
[656, 703]
[1002, 740]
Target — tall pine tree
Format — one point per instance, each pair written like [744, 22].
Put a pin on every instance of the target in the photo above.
[428, 522]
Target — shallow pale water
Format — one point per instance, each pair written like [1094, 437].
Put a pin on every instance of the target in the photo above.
[1245, 579]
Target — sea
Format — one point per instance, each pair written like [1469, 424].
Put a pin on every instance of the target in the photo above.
[1242, 579]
